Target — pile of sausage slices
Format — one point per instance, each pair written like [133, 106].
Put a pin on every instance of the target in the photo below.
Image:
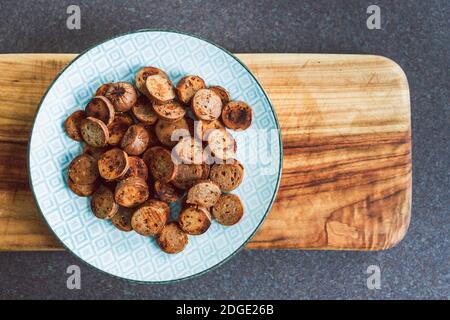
[150, 144]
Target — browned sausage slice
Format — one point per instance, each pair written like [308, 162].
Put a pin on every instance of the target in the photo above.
[83, 170]
[122, 219]
[172, 239]
[143, 74]
[169, 133]
[103, 204]
[131, 192]
[122, 95]
[207, 105]
[148, 219]
[237, 115]
[126, 116]
[100, 108]
[160, 164]
[159, 205]
[228, 210]
[166, 192]
[117, 128]
[188, 86]
[160, 88]
[73, 123]
[113, 164]
[221, 145]
[203, 193]
[194, 220]
[82, 190]
[188, 151]
[228, 176]
[223, 94]
[137, 168]
[187, 175]
[203, 128]
[170, 111]
[135, 140]
[143, 111]
[94, 132]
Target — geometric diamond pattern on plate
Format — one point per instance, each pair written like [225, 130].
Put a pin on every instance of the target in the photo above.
[99, 243]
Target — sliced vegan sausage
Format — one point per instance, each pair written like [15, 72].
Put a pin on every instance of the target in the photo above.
[143, 111]
[206, 105]
[228, 210]
[103, 204]
[122, 95]
[83, 190]
[237, 115]
[170, 111]
[135, 140]
[228, 176]
[188, 151]
[148, 219]
[168, 133]
[94, 132]
[166, 192]
[159, 88]
[203, 128]
[126, 116]
[187, 175]
[137, 168]
[143, 74]
[194, 220]
[73, 123]
[222, 92]
[113, 164]
[100, 108]
[131, 192]
[83, 170]
[122, 219]
[159, 205]
[118, 127]
[203, 193]
[188, 86]
[160, 164]
[172, 239]
[221, 145]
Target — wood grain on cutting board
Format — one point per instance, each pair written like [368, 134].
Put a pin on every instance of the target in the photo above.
[345, 122]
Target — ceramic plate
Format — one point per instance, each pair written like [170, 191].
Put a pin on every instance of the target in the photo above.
[98, 242]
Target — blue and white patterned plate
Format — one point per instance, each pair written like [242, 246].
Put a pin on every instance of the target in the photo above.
[98, 242]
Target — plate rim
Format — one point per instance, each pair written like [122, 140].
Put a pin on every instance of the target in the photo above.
[218, 264]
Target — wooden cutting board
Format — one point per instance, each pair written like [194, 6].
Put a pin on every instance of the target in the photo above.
[346, 130]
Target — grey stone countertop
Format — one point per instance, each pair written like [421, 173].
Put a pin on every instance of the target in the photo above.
[414, 33]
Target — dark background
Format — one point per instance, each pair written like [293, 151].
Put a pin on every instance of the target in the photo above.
[414, 33]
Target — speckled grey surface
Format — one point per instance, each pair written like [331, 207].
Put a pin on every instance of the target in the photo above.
[414, 33]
